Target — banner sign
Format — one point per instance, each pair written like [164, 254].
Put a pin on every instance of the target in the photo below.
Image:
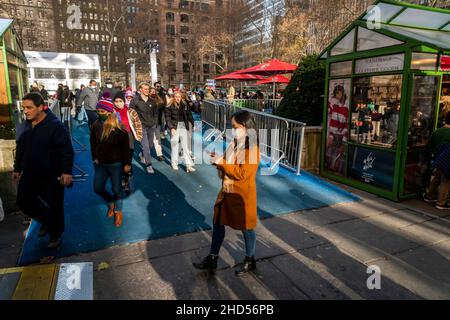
[210, 82]
[380, 64]
[371, 166]
[445, 63]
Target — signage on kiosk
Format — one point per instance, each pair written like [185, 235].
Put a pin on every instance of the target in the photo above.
[380, 64]
[445, 63]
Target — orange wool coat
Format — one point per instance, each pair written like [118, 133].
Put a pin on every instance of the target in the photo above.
[238, 204]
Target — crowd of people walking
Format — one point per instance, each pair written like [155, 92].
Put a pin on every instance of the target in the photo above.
[119, 121]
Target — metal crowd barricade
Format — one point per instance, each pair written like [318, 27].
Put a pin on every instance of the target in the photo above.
[264, 105]
[281, 139]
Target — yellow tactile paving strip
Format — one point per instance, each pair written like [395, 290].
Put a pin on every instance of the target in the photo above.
[36, 282]
[11, 270]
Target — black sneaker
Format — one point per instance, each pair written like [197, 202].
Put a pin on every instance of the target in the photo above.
[54, 243]
[428, 200]
[160, 158]
[442, 207]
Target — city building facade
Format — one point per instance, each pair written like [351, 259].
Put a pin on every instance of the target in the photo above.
[117, 29]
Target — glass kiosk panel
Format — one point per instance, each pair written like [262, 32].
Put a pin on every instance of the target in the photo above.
[421, 125]
[423, 106]
[376, 110]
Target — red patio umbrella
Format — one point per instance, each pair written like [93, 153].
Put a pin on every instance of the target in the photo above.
[276, 79]
[270, 68]
[239, 76]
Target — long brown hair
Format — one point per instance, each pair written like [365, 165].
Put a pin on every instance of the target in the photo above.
[157, 98]
[174, 102]
[111, 124]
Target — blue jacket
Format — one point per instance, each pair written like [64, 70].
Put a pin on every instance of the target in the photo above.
[46, 148]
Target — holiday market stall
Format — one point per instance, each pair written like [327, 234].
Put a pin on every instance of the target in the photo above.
[387, 89]
[13, 70]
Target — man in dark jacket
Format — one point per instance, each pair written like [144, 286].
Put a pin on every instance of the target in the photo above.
[161, 120]
[44, 93]
[147, 110]
[440, 184]
[113, 90]
[43, 167]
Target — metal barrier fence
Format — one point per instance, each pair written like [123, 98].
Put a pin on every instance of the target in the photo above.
[263, 105]
[281, 140]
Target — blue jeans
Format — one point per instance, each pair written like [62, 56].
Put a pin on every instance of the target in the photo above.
[219, 235]
[102, 173]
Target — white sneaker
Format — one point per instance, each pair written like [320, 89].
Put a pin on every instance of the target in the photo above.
[190, 169]
[175, 167]
[150, 170]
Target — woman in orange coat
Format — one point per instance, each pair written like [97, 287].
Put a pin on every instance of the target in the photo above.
[236, 203]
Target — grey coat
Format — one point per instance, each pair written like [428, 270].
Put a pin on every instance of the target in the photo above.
[89, 97]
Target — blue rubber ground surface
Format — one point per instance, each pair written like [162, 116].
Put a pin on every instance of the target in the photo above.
[167, 203]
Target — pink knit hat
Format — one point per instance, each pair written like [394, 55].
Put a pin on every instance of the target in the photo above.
[129, 93]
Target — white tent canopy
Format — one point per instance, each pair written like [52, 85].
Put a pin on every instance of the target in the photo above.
[72, 69]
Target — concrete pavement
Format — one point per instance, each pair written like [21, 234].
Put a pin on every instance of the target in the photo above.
[318, 254]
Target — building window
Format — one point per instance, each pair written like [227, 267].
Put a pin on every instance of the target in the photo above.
[170, 17]
[184, 30]
[184, 18]
[184, 4]
[186, 67]
[170, 29]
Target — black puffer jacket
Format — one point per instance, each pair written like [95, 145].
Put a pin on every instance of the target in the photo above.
[182, 114]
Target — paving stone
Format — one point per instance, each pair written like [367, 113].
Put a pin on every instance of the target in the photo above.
[370, 235]
[443, 248]
[278, 283]
[353, 274]
[307, 278]
[409, 277]
[399, 219]
[313, 219]
[11, 239]
[428, 232]
[420, 259]
[426, 208]
[133, 281]
[8, 284]
[285, 235]
[114, 256]
[177, 244]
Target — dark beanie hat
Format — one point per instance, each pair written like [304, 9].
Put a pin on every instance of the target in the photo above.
[120, 95]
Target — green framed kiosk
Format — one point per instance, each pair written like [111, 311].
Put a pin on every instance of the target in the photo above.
[13, 71]
[387, 89]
